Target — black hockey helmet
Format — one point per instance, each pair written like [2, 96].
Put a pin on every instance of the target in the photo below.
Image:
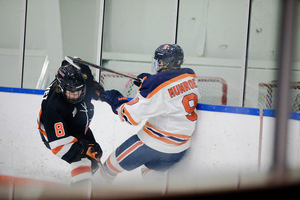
[168, 56]
[71, 82]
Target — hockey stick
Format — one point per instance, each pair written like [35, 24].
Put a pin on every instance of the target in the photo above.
[76, 61]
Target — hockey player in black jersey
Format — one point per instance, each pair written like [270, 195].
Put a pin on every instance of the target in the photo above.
[64, 119]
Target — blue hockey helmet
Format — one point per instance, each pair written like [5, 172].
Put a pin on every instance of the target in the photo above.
[168, 56]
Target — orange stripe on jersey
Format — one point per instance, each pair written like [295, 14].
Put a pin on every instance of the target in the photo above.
[167, 133]
[133, 101]
[39, 125]
[57, 149]
[122, 114]
[170, 82]
[74, 140]
[80, 170]
[111, 166]
[163, 139]
[142, 83]
[131, 120]
[129, 150]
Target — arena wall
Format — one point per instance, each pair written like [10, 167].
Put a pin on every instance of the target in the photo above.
[230, 146]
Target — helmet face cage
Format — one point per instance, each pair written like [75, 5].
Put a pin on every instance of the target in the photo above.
[157, 65]
[72, 83]
[167, 56]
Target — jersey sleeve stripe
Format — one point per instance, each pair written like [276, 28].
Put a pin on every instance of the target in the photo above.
[57, 149]
[65, 148]
[142, 82]
[122, 113]
[62, 141]
[127, 117]
[61, 150]
[40, 125]
[169, 82]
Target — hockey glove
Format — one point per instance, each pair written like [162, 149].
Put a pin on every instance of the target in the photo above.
[86, 71]
[142, 76]
[114, 98]
[98, 89]
[90, 150]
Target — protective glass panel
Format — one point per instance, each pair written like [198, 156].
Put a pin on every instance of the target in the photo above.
[261, 83]
[212, 35]
[10, 25]
[133, 29]
[56, 29]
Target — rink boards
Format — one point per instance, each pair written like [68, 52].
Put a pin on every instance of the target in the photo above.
[230, 144]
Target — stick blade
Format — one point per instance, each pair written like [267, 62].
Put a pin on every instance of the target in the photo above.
[71, 61]
[83, 62]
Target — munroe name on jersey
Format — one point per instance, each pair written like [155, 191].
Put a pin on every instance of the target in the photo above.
[182, 87]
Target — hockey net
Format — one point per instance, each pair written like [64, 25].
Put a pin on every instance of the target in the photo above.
[267, 97]
[213, 90]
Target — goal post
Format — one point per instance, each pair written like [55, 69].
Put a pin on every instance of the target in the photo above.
[213, 90]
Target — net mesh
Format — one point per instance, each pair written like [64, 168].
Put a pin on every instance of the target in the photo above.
[213, 90]
[267, 97]
[118, 82]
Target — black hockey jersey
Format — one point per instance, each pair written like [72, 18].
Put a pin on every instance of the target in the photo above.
[64, 125]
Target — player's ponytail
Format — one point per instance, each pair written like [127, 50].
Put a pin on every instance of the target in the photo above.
[57, 88]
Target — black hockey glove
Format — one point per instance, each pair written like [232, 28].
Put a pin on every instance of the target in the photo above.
[141, 76]
[90, 150]
[86, 71]
[114, 98]
[98, 89]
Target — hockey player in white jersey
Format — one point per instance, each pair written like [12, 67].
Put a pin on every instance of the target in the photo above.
[168, 100]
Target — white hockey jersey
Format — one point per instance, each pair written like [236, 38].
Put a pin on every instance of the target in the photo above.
[168, 101]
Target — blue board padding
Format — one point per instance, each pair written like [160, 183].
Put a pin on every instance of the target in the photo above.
[205, 107]
[228, 109]
[21, 90]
